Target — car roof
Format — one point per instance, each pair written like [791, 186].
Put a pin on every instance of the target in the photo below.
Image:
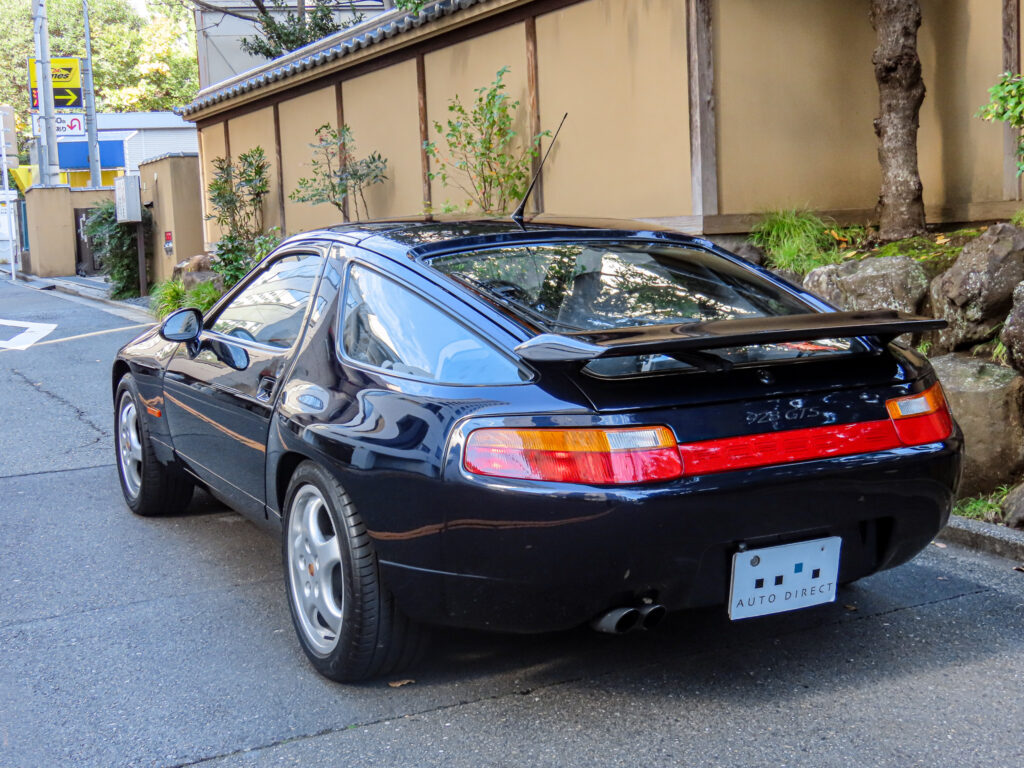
[422, 238]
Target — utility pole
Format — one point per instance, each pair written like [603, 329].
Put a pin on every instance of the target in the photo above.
[45, 85]
[95, 177]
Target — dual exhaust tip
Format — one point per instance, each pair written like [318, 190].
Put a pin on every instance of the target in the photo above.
[618, 621]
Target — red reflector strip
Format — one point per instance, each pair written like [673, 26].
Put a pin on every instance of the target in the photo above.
[761, 450]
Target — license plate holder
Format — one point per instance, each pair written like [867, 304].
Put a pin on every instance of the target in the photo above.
[784, 578]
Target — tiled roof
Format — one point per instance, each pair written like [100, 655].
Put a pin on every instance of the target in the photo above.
[338, 45]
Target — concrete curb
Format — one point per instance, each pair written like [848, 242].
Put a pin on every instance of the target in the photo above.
[986, 537]
[45, 284]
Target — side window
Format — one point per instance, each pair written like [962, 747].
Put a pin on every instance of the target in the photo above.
[270, 309]
[388, 326]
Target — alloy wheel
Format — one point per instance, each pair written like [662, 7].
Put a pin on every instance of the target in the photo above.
[315, 569]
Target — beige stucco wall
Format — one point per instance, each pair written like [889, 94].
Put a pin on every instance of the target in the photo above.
[382, 109]
[51, 227]
[459, 70]
[961, 157]
[620, 70]
[299, 118]
[211, 145]
[797, 96]
[171, 184]
[256, 129]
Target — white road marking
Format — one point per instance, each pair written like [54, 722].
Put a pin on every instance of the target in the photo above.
[32, 333]
[87, 335]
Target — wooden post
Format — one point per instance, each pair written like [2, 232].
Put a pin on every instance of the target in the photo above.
[537, 198]
[280, 169]
[140, 243]
[1011, 63]
[339, 105]
[703, 139]
[421, 90]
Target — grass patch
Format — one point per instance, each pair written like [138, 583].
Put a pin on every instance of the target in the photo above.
[171, 295]
[799, 241]
[986, 507]
[795, 240]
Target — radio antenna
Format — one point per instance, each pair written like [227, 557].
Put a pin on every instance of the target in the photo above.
[517, 214]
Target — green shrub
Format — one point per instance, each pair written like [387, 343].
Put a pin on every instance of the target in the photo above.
[1006, 104]
[481, 158]
[1018, 218]
[237, 194]
[203, 296]
[796, 240]
[115, 246]
[166, 297]
[171, 295]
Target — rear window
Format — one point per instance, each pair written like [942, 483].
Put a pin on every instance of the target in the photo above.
[593, 286]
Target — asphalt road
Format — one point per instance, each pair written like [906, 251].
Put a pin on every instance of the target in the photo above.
[166, 642]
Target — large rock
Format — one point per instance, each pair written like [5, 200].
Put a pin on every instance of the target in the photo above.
[750, 252]
[198, 263]
[986, 401]
[192, 279]
[890, 282]
[1012, 334]
[975, 294]
[1013, 507]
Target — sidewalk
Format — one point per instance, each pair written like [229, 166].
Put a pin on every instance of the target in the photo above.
[95, 288]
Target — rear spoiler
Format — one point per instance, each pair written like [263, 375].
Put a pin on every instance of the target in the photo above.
[580, 346]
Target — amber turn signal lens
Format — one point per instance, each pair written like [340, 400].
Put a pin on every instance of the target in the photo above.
[921, 418]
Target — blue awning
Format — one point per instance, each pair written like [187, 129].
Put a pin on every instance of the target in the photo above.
[74, 155]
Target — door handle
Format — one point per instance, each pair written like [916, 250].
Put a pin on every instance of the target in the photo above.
[265, 388]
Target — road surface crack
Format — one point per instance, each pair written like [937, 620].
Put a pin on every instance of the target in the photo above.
[81, 415]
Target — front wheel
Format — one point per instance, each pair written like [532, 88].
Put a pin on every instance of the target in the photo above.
[149, 487]
[346, 620]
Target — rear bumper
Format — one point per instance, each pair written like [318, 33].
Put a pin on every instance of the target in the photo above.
[522, 558]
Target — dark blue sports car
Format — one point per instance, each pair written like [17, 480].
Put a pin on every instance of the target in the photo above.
[529, 427]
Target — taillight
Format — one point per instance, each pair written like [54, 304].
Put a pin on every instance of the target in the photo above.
[921, 418]
[591, 456]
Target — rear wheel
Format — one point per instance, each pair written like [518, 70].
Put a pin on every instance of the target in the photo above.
[346, 620]
[149, 487]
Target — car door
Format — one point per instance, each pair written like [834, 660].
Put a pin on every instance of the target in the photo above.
[220, 393]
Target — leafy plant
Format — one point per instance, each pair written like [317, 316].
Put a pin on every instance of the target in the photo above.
[203, 296]
[411, 6]
[481, 158]
[1018, 218]
[237, 195]
[166, 297]
[1006, 104]
[116, 247]
[796, 240]
[237, 192]
[337, 174]
[235, 256]
[986, 506]
[171, 295]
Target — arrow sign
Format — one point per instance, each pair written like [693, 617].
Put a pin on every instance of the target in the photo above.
[67, 97]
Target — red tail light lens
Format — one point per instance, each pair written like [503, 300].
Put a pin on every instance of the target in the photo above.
[590, 456]
[922, 418]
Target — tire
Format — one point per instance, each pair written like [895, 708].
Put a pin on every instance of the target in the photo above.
[347, 622]
[149, 487]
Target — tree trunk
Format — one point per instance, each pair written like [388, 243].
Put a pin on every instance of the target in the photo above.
[901, 91]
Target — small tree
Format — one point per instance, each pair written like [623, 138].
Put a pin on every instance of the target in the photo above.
[481, 157]
[237, 194]
[337, 174]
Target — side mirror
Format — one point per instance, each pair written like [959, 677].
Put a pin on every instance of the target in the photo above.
[183, 325]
